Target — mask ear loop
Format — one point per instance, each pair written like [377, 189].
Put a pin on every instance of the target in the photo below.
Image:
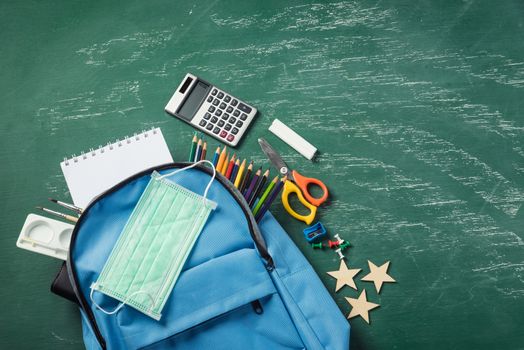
[192, 166]
[121, 305]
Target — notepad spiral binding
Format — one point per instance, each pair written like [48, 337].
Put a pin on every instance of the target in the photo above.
[110, 146]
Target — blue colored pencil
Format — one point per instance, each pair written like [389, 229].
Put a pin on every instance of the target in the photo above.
[198, 152]
[234, 171]
[215, 157]
[270, 199]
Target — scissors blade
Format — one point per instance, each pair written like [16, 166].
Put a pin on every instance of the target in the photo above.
[273, 156]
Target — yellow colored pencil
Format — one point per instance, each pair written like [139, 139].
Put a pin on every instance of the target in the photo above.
[240, 173]
[221, 160]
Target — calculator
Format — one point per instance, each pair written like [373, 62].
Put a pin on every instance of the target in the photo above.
[210, 109]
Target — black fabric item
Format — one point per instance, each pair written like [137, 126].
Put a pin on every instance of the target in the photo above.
[61, 285]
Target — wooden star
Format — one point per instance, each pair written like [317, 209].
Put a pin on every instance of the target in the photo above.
[344, 276]
[361, 306]
[378, 275]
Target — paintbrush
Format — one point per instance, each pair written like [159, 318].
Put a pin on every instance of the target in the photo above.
[63, 216]
[67, 205]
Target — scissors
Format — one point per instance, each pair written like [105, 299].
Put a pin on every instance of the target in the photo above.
[295, 183]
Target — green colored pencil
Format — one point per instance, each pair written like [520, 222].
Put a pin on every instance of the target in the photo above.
[193, 148]
[264, 195]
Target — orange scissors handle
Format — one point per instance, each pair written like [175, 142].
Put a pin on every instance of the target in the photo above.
[303, 183]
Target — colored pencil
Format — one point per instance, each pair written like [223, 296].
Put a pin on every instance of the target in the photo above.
[264, 195]
[240, 172]
[225, 165]
[230, 167]
[221, 160]
[198, 152]
[56, 213]
[235, 171]
[67, 205]
[215, 157]
[258, 188]
[193, 148]
[204, 151]
[245, 181]
[252, 185]
[271, 198]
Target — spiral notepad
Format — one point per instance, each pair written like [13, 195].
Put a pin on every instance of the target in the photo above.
[94, 172]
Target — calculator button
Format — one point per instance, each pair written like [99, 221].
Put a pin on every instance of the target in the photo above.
[220, 95]
[214, 120]
[230, 137]
[207, 116]
[209, 126]
[234, 103]
[225, 116]
[239, 124]
[216, 130]
[222, 105]
[221, 123]
[218, 112]
[234, 131]
[228, 127]
[236, 113]
[227, 98]
[210, 98]
[243, 116]
[223, 133]
[244, 108]
[202, 123]
[216, 102]
[214, 92]
[229, 109]
[232, 120]
[211, 109]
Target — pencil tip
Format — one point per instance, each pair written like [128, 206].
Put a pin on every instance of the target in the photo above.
[39, 208]
[53, 200]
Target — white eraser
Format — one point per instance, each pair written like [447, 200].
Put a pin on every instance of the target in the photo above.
[293, 139]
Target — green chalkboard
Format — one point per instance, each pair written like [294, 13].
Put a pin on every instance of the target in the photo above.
[416, 108]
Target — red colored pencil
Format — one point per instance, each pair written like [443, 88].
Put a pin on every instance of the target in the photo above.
[230, 167]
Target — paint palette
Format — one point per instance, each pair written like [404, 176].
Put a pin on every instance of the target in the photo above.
[45, 236]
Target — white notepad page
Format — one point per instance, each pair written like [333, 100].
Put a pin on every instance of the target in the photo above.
[94, 172]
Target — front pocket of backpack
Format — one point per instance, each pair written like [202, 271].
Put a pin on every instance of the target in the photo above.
[219, 298]
[260, 324]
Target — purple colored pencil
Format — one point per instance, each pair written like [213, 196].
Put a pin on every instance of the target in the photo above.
[252, 185]
[270, 199]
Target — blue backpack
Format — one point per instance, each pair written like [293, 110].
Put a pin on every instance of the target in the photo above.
[244, 286]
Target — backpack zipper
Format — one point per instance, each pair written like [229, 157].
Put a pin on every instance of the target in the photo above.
[253, 231]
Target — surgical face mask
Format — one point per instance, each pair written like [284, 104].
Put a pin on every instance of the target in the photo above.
[148, 257]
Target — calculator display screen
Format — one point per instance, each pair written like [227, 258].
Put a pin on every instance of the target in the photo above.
[193, 101]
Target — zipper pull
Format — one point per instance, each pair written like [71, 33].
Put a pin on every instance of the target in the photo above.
[257, 307]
